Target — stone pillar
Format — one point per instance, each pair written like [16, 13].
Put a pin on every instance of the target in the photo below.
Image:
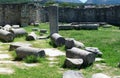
[53, 19]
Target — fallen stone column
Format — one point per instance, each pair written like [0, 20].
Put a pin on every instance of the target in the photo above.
[70, 42]
[88, 57]
[66, 27]
[7, 27]
[73, 63]
[89, 26]
[6, 36]
[31, 36]
[57, 39]
[18, 32]
[14, 46]
[23, 52]
[78, 44]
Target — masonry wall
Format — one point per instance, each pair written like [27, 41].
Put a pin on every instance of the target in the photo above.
[110, 15]
[25, 14]
[22, 14]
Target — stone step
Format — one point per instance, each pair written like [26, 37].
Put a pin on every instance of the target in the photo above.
[7, 62]
[6, 71]
[53, 52]
[5, 56]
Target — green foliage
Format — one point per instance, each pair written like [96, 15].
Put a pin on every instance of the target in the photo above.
[49, 2]
[31, 59]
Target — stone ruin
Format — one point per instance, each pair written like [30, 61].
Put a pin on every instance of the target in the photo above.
[77, 55]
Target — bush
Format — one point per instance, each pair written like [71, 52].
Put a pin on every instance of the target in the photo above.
[31, 59]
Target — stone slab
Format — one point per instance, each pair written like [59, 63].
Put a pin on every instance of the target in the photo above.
[52, 52]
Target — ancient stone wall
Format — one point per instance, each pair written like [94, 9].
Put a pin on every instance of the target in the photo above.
[108, 14]
[25, 14]
[22, 14]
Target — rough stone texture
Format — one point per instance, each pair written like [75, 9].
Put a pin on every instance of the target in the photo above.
[31, 36]
[94, 50]
[43, 31]
[73, 63]
[15, 45]
[23, 52]
[69, 43]
[6, 36]
[66, 27]
[72, 74]
[57, 39]
[7, 27]
[15, 26]
[52, 52]
[19, 32]
[6, 71]
[78, 44]
[24, 14]
[88, 58]
[89, 26]
[100, 75]
[53, 19]
[4, 56]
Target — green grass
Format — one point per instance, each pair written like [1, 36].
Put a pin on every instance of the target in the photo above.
[106, 39]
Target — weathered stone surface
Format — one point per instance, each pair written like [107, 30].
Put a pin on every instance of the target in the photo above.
[19, 32]
[66, 27]
[6, 71]
[94, 50]
[86, 26]
[6, 36]
[107, 26]
[15, 26]
[73, 63]
[4, 56]
[43, 30]
[52, 52]
[89, 26]
[78, 44]
[31, 36]
[14, 46]
[7, 27]
[100, 75]
[53, 19]
[72, 74]
[23, 52]
[98, 59]
[36, 24]
[57, 39]
[69, 43]
[88, 57]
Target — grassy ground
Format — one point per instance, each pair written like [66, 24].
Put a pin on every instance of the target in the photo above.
[106, 39]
